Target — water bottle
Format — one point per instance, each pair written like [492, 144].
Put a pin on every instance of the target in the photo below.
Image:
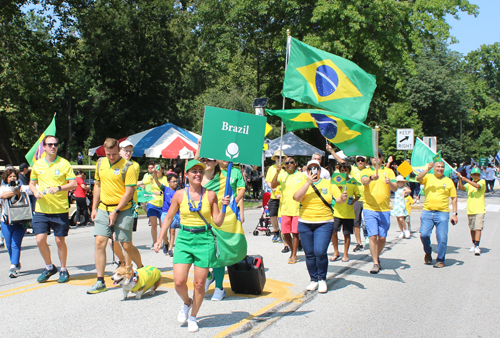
[349, 200]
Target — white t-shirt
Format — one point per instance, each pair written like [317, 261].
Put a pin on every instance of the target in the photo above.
[325, 174]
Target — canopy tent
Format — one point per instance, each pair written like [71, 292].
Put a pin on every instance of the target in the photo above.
[292, 146]
[166, 141]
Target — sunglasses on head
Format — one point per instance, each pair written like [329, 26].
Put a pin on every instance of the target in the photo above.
[52, 144]
[290, 162]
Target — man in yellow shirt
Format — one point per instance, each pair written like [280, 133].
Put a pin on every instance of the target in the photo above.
[51, 179]
[274, 202]
[289, 180]
[475, 205]
[438, 189]
[112, 209]
[377, 186]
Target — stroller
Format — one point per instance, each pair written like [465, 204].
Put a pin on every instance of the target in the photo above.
[265, 220]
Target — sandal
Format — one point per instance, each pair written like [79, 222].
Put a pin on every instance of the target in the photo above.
[292, 261]
[345, 260]
[334, 258]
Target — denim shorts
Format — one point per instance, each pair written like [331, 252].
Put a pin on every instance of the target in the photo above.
[176, 222]
[42, 223]
[377, 222]
[153, 211]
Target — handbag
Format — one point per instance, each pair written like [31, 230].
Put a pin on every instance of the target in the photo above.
[18, 211]
[321, 197]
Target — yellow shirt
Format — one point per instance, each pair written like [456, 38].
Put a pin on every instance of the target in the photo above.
[146, 180]
[158, 199]
[312, 209]
[408, 203]
[437, 192]
[148, 276]
[475, 198]
[344, 210]
[191, 218]
[377, 194]
[356, 174]
[289, 184]
[54, 174]
[112, 185]
[269, 178]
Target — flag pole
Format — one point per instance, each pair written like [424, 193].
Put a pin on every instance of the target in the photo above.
[377, 129]
[228, 183]
[288, 39]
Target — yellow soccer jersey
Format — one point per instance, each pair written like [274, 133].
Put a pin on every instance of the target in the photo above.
[344, 210]
[408, 203]
[148, 276]
[437, 192]
[269, 177]
[146, 180]
[54, 174]
[377, 194]
[112, 184]
[356, 174]
[158, 199]
[312, 209]
[475, 198]
[289, 184]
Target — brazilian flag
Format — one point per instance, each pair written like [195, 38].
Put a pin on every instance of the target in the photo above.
[231, 240]
[353, 137]
[327, 81]
[339, 178]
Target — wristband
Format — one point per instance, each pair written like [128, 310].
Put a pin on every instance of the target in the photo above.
[59, 187]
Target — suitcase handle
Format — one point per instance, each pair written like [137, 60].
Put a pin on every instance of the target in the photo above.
[258, 262]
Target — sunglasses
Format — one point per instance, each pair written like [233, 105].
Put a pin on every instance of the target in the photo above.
[290, 162]
[52, 145]
[311, 168]
[360, 160]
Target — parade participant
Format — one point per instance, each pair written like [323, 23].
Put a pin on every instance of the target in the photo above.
[399, 207]
[377, 185]
[274, 202]
[154, 207]
[316, 223]
[255, 180]
[289, 180]
[168, 194]
[343, 213]
[324, 173]
[112, 209]
[438, 190]
[147, 178]
[51, 179]
[195, 242]
[13, 232]
[80, 195]
[408, 203]
[475, 206]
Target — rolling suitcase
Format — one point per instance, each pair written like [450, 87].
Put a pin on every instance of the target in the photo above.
[248, 276]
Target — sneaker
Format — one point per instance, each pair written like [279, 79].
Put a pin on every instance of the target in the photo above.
[367, 241]
[477, 251]
[312, 286]
[358, 247]
[210, 280]
[375, 269]
[428, 258]
[285, 249]
[322, 287]
[165, 249]
[407, 233]
[439, 265]
[46, 274]
[472, 248]
[182, 317]
[280, 240]
[170, 253]
[275, 237]
[401, 235]
[2, 244]
[63, 276]
[98, 287]
[219, 294]
[192, 324]
[13, 273]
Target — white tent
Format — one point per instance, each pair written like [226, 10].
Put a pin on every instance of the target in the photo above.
[292, 146]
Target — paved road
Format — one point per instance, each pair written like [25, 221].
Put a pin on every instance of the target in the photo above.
[407, 298]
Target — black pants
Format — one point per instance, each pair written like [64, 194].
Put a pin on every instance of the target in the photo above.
[256, 189]
[81, 204]
[490, 184]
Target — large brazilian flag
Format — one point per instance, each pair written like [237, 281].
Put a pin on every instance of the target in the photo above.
[230, 236]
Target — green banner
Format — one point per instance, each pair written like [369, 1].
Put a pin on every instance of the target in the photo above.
[483, 161]
[232, 136]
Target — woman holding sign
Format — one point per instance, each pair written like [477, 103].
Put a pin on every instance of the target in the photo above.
[316, 223]
[196, 243]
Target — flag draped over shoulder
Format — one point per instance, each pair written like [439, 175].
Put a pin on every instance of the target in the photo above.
[231, 240]
[353, 137]
[422, 155]
[37, 152]
[327, 81]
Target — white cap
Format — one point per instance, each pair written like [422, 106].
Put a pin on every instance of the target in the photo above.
[125, 144]
[311, 162]
[361, 156]
[400, 179]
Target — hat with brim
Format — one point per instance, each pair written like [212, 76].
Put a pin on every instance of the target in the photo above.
[194, 163]
[312, 162]
[475, 171]
[277, 153]
[125, 144]
[400, 179]
[361, 156]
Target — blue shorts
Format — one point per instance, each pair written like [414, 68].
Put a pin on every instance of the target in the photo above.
[153, 211]
[377, 222]
[42, 223]
[176, 222]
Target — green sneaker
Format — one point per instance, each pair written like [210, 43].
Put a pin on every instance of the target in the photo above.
[63, 276]
[46, 274]
[97, 288]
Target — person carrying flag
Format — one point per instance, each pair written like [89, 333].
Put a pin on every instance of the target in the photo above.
[274, 202]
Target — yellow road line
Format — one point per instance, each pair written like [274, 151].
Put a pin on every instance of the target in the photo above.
[31, 289]
[21, 287]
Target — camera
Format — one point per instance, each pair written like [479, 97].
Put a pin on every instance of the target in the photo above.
[314, 170]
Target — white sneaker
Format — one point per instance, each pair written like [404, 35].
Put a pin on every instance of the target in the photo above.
[472, 248]
[477, 251]
[401, 235]
[367, 241]
[210, 280]
[192, 324]
[183, 313]
[407, 234]
[312, 286]
[219, 294]
[322, 287]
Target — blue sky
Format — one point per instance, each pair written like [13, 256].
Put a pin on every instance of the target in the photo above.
[472, 32]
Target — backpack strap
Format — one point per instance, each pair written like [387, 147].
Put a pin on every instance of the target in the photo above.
[125, 168]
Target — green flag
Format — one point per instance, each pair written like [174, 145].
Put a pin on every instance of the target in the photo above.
[423, 155]
[327, 81]
[37, 152]
[353, 137]
[339, 178]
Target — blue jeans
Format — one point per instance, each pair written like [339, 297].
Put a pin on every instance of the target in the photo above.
[315, 239]
[440, 220]
[13, 235]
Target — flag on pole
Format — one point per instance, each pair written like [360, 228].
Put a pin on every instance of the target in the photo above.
[37, 152]
[497, 156]
[352, 136]
[437, 157]
[422, 155]
[327, 81]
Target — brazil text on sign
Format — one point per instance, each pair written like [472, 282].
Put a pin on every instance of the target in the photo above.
[232, 136]
[404, 139]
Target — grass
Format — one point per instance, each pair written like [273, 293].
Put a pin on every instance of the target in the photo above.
[250, 205]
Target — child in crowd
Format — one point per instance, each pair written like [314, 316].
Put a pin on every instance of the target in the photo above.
[408, 202]
[399, 207]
